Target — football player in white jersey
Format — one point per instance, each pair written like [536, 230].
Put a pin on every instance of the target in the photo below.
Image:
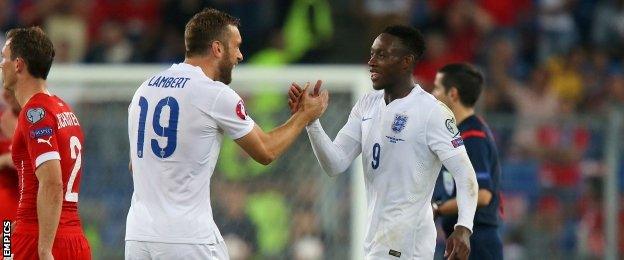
[405, 136]
[176, 122]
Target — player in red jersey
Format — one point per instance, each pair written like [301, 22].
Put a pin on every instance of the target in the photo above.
[47, 152]
[9, 194]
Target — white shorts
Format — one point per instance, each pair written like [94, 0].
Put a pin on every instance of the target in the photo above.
[139, 250]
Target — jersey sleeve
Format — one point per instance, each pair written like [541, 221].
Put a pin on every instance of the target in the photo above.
[477, 149]
[353, 127]
[441, 133]
[230, 114]
[40, 132]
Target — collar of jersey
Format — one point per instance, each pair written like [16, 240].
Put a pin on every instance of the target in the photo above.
[189, 67]
[414, 90]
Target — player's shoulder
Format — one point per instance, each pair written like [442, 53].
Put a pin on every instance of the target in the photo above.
[426, 98]
[371, 98]
[44, 101]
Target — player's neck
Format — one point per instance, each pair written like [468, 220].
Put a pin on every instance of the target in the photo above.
[27, 88]
[205, 65]
[461, 113]
[400, 90]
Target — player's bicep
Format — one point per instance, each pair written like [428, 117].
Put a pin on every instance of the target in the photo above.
[442, 135]
[230, 114]
[253, 144]
[49, 173]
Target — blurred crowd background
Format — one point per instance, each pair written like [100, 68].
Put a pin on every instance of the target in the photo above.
[553, 73]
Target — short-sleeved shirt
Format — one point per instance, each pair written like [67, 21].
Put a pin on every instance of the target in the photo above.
[47, 129]
[483, 154]
[176, 122]
[403, 146]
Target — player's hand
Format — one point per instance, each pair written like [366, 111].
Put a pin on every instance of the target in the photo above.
[458, 244]
[294, 95]
[46, 255]
[313, 106]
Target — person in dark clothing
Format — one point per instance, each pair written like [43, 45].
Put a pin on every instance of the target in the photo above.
[458, 86]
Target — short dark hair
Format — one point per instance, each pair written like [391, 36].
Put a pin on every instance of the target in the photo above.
[34, 47]
[205, 27]
[466, 78]
[410, 37]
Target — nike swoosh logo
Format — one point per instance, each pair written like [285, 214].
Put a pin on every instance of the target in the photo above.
[366, 119]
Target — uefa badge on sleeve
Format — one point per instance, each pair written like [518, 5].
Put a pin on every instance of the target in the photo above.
[240, 110]
[35, 115]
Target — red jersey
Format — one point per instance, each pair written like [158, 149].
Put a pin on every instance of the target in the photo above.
[47, 129]
[8, 183]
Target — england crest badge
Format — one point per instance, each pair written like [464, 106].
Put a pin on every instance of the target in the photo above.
[399, 123]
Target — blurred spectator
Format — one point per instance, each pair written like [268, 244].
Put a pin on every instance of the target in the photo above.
[590, 234]
[558, 33]
[596, 72]
[306, 237]
[505, 13]
[436, 55]
[8, 17]
[561, 145]
[544, 230]
[308, 248]
[615, 90]
[113, 47]
[236, 228]
[67, 28]
[534, 104]
[380, 13]
[466, 24]
[566, 77]
[608, 27]
[9, 194]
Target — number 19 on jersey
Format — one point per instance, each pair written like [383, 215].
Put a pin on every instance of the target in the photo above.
[170, 131]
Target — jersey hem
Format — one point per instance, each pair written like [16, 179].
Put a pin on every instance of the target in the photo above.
[244, 131]
[47, 157]
[174, 240]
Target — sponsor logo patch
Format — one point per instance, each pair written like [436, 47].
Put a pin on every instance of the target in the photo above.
[35, 115]
[41, 132]
[457, 142]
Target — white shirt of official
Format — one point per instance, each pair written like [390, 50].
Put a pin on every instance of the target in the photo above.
[171, 199]
[403, 145]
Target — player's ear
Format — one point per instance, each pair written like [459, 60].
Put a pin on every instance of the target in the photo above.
[20, 65]
[217, 49]
[454, 94]
[408, 61]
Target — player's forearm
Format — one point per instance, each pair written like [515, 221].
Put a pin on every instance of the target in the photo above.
[280, 138]
[49, 204]
[467, 188]
[449, 207]
[332, 156]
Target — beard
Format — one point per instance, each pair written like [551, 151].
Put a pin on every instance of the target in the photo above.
[225, 68]
[225, 71]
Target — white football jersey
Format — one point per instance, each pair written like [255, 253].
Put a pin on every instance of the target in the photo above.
[403, 146]
[176, 123]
